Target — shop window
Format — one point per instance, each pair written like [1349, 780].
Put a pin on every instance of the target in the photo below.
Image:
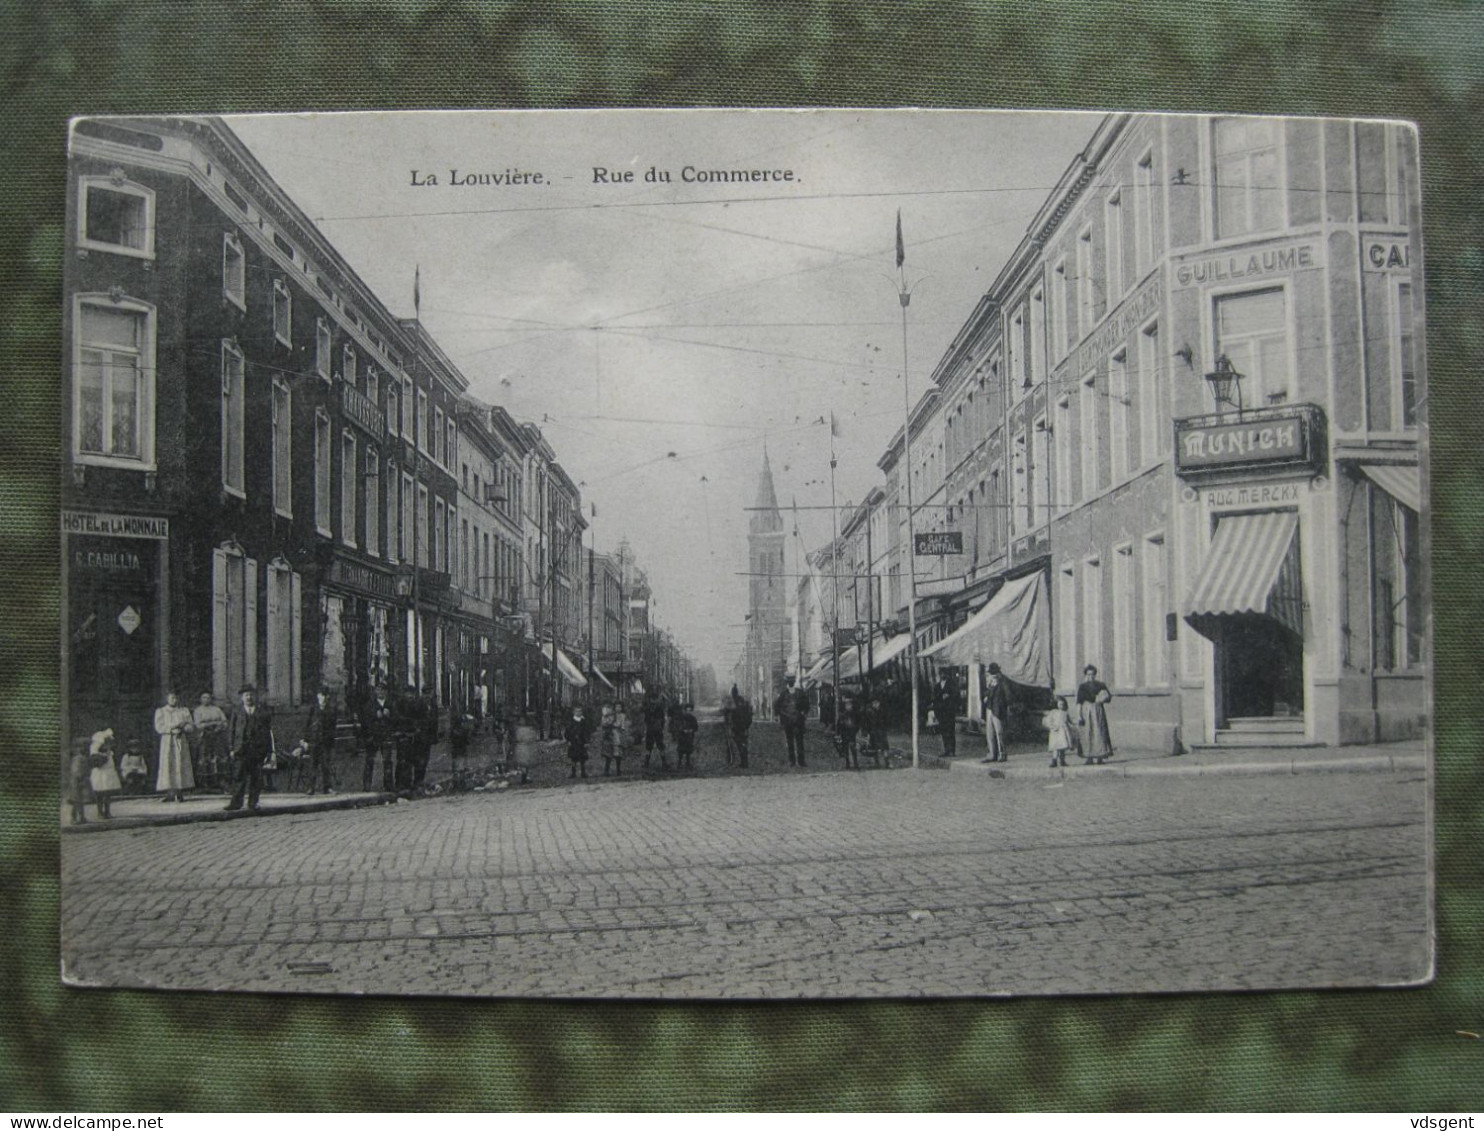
[283, 312]
[234, 621]
[284, 631]
[116, 215]
[114, 382]
[283, 449]
[1248, 184]
[234, 411]
[1252, 331]
[234, 270]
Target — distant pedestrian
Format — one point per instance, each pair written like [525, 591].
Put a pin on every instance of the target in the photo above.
[79, 786]
[318, 743]
[947, 705]
[103, 774]
[1058, 725]
[654, 727]
[790, 706]
[134, 767]
[847, 727]
[379, 726]
[873, 718]
[426, 733]
[616, 741]
[174, 725]
[1092, 698]
[738, 723]
[686, 728]
[577, 734]
[996, 714]
[213, 769]
[252, 745]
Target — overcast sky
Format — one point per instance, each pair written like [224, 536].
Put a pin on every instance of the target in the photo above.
[635, 320]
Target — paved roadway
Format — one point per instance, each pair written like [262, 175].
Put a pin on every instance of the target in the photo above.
[780, 883]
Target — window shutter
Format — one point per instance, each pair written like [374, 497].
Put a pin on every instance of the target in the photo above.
[296, 612]
[221, 619]
[278, 676]
[250, 621]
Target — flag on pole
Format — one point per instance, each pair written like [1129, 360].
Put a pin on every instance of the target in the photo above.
[834, 425]
[901, 248]
[417, 275]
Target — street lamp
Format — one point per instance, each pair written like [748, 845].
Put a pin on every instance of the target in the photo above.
[1225, 380]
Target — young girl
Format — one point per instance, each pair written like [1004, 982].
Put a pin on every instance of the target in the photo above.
[1058, 725]
[615, 739]
[103, 773]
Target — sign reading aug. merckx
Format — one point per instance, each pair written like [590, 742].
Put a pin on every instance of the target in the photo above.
[938, 543]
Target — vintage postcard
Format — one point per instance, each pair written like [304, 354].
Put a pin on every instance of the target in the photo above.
[776, 554]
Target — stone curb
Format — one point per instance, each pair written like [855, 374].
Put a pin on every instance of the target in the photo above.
[1173, 767]
[355, 801]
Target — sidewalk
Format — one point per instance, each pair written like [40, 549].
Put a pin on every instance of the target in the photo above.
[1028, 761]
[148, 810]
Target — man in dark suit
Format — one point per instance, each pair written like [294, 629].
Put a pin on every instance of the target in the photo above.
[251, 744]
[319, 741]
[379, 722]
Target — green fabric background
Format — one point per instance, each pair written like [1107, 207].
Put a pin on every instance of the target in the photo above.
[73, 1050]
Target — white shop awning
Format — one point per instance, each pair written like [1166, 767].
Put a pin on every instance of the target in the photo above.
[1010, 630]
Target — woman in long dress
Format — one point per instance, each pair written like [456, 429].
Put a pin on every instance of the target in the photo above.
[1092, 694]
[174, 725]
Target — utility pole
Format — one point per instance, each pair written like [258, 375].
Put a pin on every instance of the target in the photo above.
[904, 296]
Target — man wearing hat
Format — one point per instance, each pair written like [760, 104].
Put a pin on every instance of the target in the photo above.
[379, 721]
[251, 744]
[319, 741]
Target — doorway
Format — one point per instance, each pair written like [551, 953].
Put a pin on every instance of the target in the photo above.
[1260, 673]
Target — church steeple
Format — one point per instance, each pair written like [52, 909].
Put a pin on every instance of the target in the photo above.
[765, 518]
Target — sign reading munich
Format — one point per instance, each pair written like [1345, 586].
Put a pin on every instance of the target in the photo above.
[1268, 440]
[938, 543]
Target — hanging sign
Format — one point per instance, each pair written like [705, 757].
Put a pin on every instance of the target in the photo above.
[938, 543]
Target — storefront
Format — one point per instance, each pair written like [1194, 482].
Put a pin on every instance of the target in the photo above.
[1260, 526]
[357, 625]
[117, 662]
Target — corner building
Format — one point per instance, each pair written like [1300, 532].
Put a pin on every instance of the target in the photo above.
[1242, 570]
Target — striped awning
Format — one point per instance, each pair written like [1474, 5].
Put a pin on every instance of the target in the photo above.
[1401, 481]
[1252, 566]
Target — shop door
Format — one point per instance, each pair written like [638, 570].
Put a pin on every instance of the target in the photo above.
[1260, 666]
[112, 638]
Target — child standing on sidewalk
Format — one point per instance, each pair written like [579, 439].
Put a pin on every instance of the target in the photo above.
[103, 774]
[1058, 724]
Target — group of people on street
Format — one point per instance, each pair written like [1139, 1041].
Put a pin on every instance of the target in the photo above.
[1088, 735]
[615, 728]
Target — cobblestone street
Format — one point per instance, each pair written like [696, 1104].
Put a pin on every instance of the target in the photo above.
[784, 884]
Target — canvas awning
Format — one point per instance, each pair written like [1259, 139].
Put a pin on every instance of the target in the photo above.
[565, 667]
[1252, 566]
[824, 667]
[889, 650]
[1010, 630]
[603, 679]
[1402, 482]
